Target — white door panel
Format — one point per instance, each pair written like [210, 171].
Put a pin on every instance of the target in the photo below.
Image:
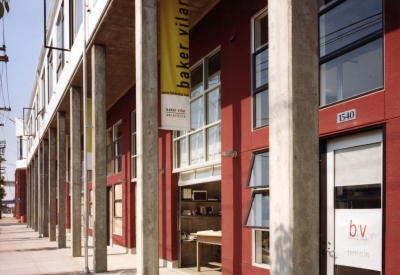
[354, 204]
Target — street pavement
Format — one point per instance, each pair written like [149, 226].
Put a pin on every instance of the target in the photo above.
[23, 252]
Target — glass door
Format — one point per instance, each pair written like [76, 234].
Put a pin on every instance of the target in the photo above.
[354, 205]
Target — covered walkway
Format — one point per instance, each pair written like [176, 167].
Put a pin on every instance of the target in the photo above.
[22, 252]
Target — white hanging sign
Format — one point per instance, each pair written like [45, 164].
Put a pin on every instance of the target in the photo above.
[358, 238]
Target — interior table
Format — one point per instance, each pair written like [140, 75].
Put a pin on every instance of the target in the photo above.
[209, 237]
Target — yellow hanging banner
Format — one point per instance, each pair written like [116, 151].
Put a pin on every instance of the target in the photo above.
[174, 55]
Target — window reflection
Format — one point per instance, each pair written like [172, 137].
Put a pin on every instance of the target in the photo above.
[196, 113]
[351, 43]
[214, 70]
[349, 22]
[260, 170]
[196, 148]
[259, 211]
[196, 81]
[261, 109]
[214, 142]
[213, 106]
[261, 67]
[353, 73]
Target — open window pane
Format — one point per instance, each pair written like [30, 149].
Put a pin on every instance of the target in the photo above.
[259, 170]
[258, 215]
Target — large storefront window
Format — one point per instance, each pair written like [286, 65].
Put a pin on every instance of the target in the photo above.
[257, 216]
[351, 48]
[203, 142]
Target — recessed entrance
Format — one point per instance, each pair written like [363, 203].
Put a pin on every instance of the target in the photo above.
[354, 204]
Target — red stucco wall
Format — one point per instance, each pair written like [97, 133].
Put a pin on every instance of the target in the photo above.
[20, 193]
[228, 26]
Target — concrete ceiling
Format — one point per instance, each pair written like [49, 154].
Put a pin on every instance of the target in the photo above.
[117, 32]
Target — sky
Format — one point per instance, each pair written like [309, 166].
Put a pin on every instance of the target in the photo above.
[23, 36]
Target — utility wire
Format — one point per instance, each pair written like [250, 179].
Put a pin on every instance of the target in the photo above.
[12, 120]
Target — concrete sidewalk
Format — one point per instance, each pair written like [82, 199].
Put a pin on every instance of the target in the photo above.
[22, 252]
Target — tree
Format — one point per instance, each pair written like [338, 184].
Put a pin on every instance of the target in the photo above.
[4, 6]
[3, 193]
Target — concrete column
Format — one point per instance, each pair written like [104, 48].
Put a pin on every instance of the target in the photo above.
[61, 180]
[28, 198]
[99, 158]
[36, 195]
[45, 180]
[40, 185]
[76, 171]
[293, 136]
[147, 137]
[52, 184]
[31, 196]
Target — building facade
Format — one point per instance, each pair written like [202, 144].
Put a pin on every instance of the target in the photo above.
[221, 175]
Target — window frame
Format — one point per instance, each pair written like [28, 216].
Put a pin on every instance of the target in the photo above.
[256, 190]
[110, 158]
[133, 147]
[253, 158]
[254, 52]
[50, 71]
[60, 53]
[259, 191]
[253, 254]
[117, 159]
[20, 147]
[115, 217]
[43, 90]
[90, 209]
[203, 130]
[357, 44]
[77, 9]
